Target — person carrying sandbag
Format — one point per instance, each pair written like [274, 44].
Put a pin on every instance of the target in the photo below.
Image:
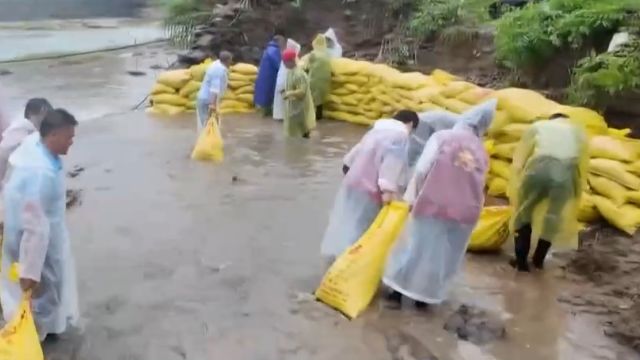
[265, 86]
[213, 88]
[548, 172]
[299, 115]
[36, 239]
[281, 82]
[374, 171]
[446, 193]
[430, 123]
[318, 64]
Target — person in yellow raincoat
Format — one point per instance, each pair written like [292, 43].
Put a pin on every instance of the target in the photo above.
[549, 170]
[318, 64]
[299, 115]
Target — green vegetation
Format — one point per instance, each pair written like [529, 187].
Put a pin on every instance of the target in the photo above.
[182, 17]
[431, 17]
[599, 78]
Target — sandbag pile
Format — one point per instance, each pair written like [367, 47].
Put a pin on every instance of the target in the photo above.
[239, 95]
[176, 91]
[363, 92]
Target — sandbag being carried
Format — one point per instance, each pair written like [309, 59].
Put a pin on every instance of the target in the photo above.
[591, 121]
[492, 229]
[352, 281]
[209, 146]
[19, 338]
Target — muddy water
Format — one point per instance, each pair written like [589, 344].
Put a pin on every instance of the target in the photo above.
[176, 260]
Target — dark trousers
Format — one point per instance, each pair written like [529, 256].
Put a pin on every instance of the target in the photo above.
[319, 112]
[523, 246]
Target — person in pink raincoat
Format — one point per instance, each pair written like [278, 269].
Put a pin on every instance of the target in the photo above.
[375, 170]
[446, 193]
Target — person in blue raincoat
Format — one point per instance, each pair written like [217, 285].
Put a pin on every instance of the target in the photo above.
[36, 240]
[265, 87]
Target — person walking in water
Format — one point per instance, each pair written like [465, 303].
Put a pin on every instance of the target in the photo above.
[548, 173]
[299, 116]
[318, 64]
[36, 240]
[213, 88]
[18, 130]
[374, 172]
[446, 193]
[265, 86]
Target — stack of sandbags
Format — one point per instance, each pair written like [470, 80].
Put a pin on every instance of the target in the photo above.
[363, 92]
[239, 95]
[166, 95]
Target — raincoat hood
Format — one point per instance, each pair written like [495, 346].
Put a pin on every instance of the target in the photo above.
[390, 124]
[319, 43]
[32, 154]
[293, 45]
[479, 117]
[336, 50]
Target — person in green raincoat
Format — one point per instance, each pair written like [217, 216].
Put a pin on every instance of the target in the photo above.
[318, 64]
[299, 114]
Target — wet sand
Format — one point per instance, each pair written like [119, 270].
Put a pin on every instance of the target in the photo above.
[177, 261]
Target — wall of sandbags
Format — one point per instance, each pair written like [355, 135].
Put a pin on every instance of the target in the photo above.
[176, 91]
[363, 92]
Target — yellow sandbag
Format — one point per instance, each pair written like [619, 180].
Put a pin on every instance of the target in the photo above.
[634, 167]
[425, 94]
[614, 170]
[633, 197]
[489, 146]
[245, 69]
[191, 105]
[505, 151]
[497, 186]
[238, 77]
[198, 71]
[353, 279]
[162, 89]
[247, 89]
[234, 103]
[236, 84]
[474, 95]
[616, 215]
[511, 133]
[610, 189]
[175, 79]
[587, 212]
[452, 104]
[165, 110]
[455, 88]
[492, 229]
[340, 91]
[524, 105]
[209, 146]
[344, 66]
[191, 87]
[19, 338]
[607, 147]
[246, 98]
[229, 110]
[408, 81]
[427, 106]
[351, 79]
[352, 118]
[169, 99]
[500, 168]
[618, 133]
[591, 121]
[442, 77]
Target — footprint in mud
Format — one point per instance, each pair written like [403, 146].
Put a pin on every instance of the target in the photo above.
[475, 325]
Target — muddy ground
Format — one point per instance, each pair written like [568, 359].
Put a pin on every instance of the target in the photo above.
[178, 261]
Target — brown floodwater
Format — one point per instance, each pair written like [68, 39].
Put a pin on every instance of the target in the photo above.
[185, 260]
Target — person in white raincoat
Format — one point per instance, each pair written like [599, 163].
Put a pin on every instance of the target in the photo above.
[281, 82]
[446, 194]
[36, 241]
[430, 123]
[333, 46]
[19, 129]
[374, 172]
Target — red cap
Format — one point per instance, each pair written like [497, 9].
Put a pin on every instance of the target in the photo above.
[289, 55]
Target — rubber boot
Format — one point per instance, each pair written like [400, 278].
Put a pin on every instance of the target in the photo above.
[522, 248]
[541, 253]
[395, 300]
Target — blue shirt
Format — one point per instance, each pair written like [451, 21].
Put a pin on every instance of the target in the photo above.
[53, 159]
[215, 82]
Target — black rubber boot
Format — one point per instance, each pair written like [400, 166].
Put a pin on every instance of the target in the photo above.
[541, 253]
[395, 300]
[522, 248]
